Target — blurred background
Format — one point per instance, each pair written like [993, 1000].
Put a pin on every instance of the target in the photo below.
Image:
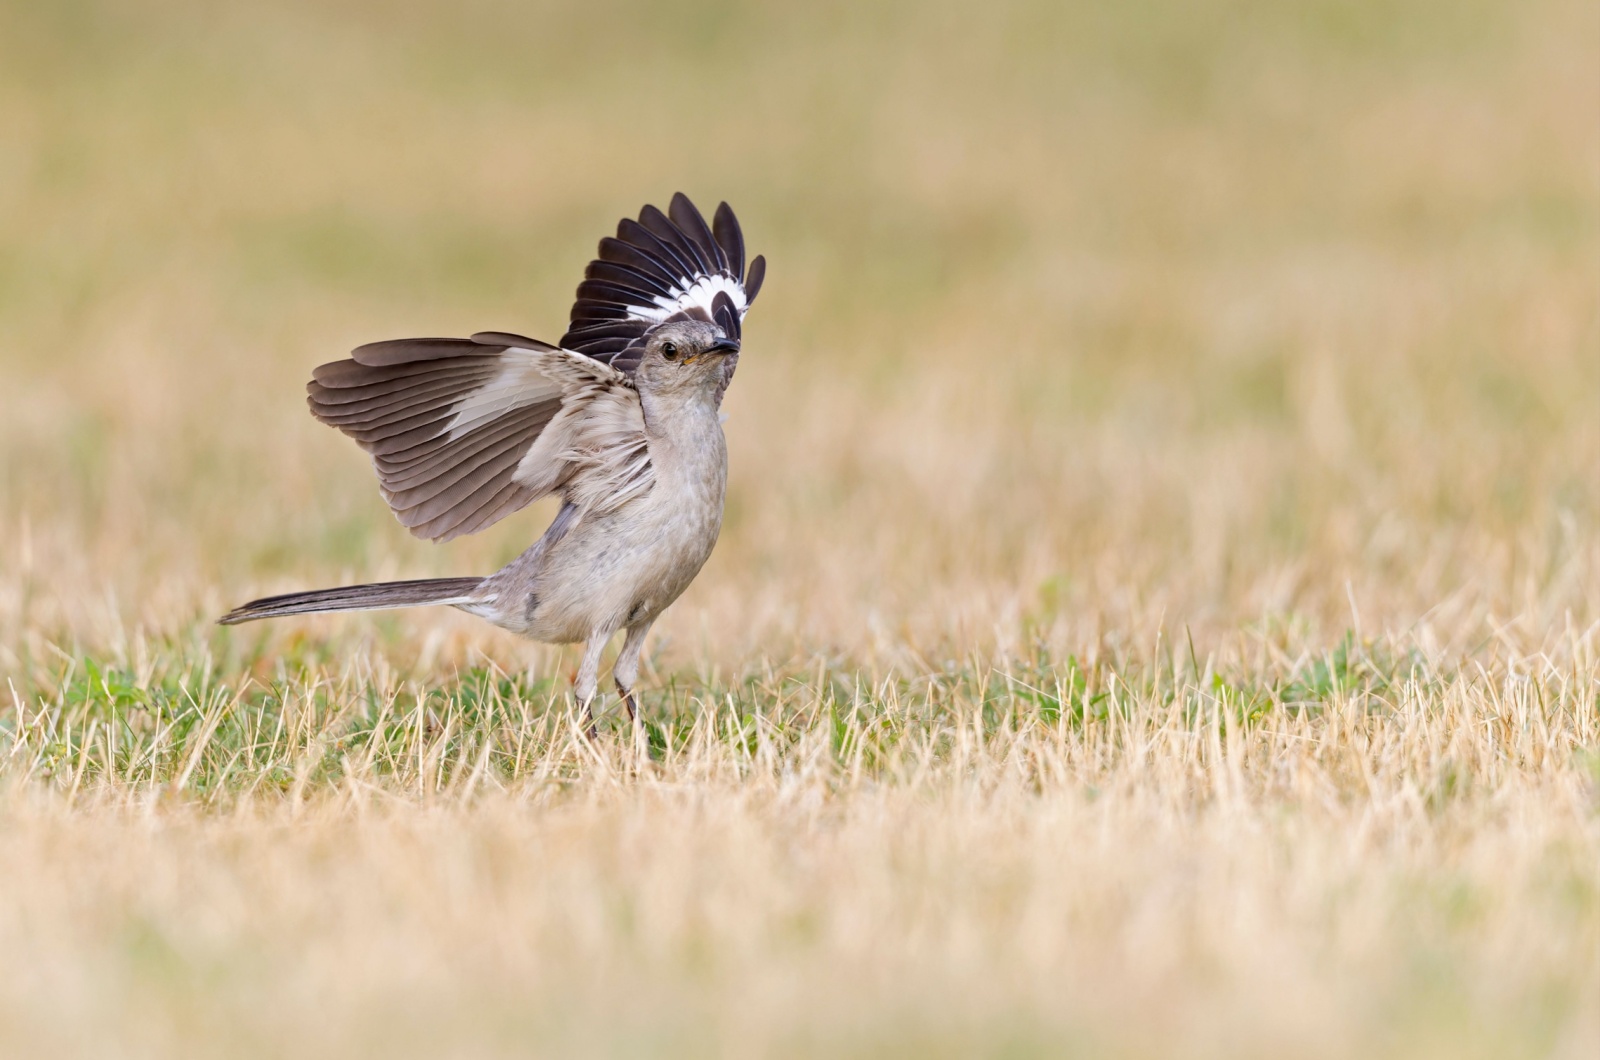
[1081, 319]
[1088, 330]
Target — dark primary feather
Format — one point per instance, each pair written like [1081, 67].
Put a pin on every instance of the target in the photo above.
[606, 291]
[753, 278]
[647, 242]
[688, 221]
[674, 239]
[725, 230]
[624, 276]
[637, 258]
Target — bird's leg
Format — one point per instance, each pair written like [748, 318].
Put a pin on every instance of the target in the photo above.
[589, 679]
[628, 701]
[626, 669]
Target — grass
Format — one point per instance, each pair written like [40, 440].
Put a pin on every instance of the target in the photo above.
[1385, 852]
[1158, 606]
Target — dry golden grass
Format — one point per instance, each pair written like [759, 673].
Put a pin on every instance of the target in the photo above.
[1159, 606]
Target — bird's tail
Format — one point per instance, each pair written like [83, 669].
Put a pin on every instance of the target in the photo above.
[357, 598]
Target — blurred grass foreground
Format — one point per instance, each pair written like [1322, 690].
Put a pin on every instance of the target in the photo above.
[1157, 608]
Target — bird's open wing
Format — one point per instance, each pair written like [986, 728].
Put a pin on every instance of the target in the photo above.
[463, 432]
[662, 267]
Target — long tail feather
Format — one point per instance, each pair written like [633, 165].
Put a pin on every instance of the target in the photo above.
[357, 598]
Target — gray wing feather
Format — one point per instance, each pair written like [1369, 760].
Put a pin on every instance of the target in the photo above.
[463, 432]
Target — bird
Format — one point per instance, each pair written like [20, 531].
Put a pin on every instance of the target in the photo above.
[620, 419]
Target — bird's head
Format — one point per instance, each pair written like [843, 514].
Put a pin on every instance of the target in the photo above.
[686, 356]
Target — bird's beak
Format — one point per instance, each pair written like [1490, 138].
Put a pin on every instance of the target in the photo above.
[720, 346]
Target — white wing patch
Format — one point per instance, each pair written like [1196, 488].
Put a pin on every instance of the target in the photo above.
[701, 294]
[519, 383]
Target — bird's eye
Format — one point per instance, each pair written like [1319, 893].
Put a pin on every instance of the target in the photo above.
[669, 350]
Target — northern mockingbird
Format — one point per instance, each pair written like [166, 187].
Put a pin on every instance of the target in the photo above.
[620, 419]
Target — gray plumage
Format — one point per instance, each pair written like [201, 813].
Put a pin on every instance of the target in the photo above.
[376, 597]
[621, 422]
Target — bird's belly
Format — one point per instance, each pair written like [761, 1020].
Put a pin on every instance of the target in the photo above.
[617, 570]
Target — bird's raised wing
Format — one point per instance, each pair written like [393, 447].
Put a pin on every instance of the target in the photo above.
[463, 432]
[662, 267]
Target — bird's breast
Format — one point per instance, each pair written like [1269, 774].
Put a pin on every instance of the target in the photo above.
[627, 566]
